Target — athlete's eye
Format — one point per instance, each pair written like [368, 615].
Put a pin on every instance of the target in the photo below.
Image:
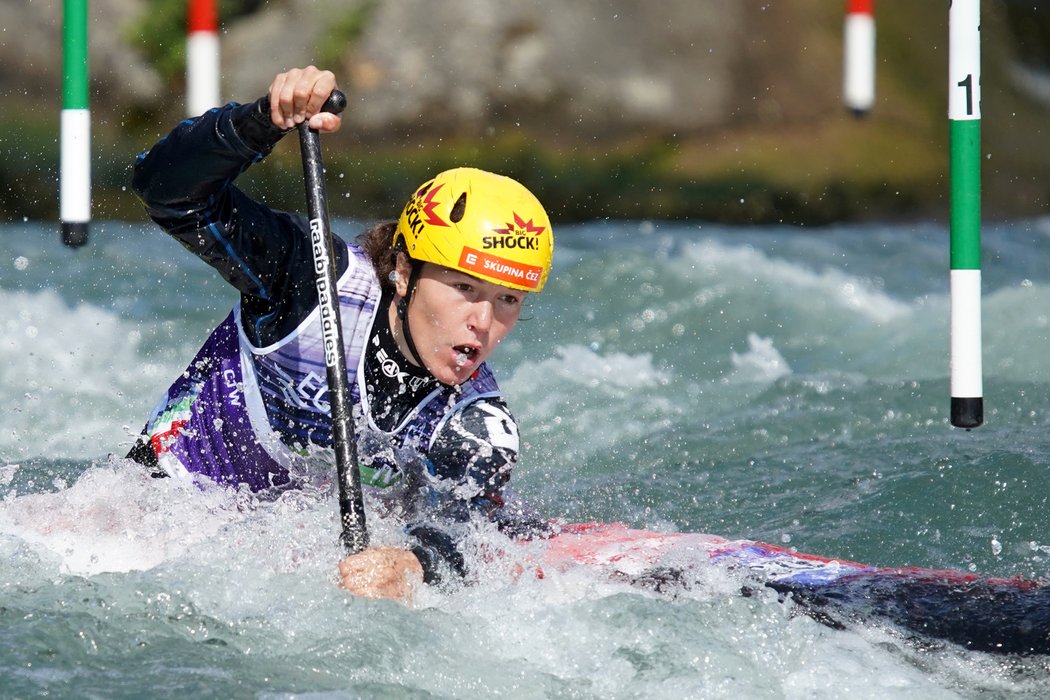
[510, 299]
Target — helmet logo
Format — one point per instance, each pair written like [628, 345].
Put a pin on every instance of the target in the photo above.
[420, 211]
[519, 234]
[506, 271]
[520, 227]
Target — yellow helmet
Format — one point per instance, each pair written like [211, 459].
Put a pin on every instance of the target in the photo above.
[480, 223]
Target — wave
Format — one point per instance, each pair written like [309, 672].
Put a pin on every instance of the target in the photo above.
[71, 377]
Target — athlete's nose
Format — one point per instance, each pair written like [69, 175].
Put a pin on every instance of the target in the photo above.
[480, 318]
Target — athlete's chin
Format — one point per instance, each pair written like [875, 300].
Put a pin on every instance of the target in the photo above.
[456, 374]
[447, 373]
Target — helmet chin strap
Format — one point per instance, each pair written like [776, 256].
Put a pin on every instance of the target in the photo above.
[402, 313]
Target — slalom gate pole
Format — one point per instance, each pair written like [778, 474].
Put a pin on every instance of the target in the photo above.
[964, 120]
[74, 179]
[202, 56]
[858, 57]
[354, 534]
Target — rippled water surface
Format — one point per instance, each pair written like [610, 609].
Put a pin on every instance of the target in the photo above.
[781, 384]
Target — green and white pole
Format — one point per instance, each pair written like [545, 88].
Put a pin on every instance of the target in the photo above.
[75, 167]
[964, 118]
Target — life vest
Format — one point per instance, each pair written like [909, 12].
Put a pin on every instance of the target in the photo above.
[259, 416]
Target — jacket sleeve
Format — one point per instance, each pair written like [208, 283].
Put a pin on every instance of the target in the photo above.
[186, 183]
[469, 466]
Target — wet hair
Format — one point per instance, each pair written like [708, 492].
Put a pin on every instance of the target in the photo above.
[378, 244]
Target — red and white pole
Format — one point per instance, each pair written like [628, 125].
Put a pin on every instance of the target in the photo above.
[858, 83]
[202, 56]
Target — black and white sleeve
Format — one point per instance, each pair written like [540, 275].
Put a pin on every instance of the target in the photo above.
[470, 463]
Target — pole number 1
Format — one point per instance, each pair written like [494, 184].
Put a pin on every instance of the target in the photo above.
[967, 83]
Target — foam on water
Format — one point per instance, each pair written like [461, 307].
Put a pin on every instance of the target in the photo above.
[70, 377]
[115, 518]
[830, 288]
[217, 596]
[236, 584]
[761, 362]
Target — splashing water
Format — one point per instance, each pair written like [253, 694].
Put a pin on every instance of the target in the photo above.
[775, 384]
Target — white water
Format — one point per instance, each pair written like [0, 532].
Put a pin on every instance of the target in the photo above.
[787, 386]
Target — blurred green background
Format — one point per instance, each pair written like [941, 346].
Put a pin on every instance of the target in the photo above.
[699, 109]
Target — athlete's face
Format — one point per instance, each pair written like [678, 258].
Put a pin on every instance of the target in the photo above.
[456, 320]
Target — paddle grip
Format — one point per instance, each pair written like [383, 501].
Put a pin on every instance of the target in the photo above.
[336, 102]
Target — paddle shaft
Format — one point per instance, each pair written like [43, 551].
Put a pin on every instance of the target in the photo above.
[354, 534]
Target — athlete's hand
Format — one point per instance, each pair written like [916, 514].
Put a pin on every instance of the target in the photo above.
[381, 572]
[296, 96]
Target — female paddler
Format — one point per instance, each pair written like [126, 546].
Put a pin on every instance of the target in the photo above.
[424, 301]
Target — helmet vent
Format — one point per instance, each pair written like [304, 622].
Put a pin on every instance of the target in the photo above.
[458, 209]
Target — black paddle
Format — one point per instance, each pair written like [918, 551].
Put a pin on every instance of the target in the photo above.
[351, 506]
